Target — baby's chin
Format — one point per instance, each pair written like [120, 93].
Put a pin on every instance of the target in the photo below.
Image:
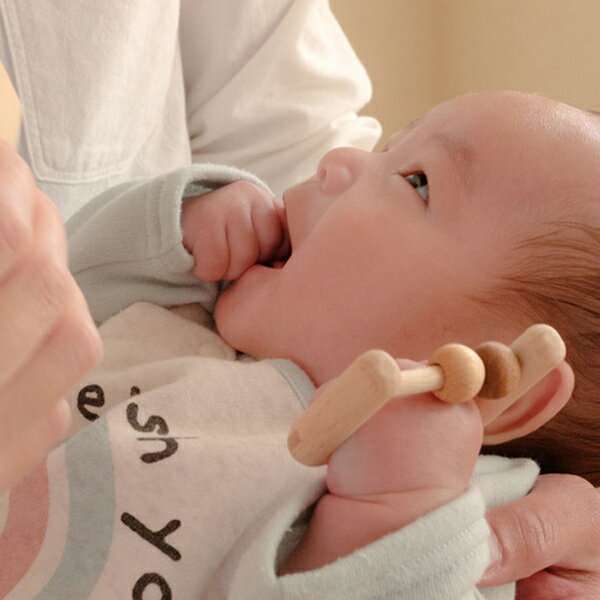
[247, 330]
[235, 323]
[223, 319]
[248, 312]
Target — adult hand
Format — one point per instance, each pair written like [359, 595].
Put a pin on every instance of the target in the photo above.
[233, 228]
[48, 339]
[550, 541]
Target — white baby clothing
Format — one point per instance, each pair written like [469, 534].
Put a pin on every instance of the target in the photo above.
[184, 488]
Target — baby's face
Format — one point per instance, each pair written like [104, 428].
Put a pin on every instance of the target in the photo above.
[378, 260]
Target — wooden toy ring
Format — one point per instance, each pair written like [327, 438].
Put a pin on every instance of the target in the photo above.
[457, 374]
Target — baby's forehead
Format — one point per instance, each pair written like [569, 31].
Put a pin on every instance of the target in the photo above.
[516, 111]
[537, 132]
[535, 153]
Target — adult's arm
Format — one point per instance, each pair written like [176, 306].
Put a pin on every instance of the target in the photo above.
[48, 340]
[271, 88]
[549, 540]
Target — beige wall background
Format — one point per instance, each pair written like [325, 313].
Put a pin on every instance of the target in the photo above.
[422, 52]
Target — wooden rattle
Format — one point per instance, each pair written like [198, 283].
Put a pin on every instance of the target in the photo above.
[10, 110]
[495, 373]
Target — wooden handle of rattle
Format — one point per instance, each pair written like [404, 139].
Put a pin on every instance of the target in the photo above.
[539, 350]
[10, 110]
[367, 384]
[458, 374]
[344, 405]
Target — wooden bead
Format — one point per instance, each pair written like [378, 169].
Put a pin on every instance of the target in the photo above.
[464, 372]
[502, 370]
[539, 349]
[343, 406]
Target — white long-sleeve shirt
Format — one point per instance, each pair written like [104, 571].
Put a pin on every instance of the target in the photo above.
[115, 90]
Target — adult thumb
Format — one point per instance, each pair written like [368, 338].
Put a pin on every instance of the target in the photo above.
[556, 525]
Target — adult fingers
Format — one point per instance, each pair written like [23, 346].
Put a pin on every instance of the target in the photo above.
[556, 584]
[557, 525]
[34, 293]
[68, 352]
[17, 203]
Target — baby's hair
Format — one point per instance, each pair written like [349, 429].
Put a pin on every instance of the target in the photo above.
[556, 280]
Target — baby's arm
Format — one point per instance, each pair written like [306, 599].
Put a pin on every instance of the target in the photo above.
[414, 455]
[126, 245]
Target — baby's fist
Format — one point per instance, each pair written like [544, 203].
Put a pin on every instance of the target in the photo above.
[232, 228]
[412, 456]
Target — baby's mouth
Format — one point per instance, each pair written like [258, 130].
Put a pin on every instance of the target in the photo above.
[280, 259]
[283, 253]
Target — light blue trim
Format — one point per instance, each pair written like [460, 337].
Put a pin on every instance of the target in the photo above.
[297, 378]
[91, 515]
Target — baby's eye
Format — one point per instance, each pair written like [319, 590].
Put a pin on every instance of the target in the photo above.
[419, 181]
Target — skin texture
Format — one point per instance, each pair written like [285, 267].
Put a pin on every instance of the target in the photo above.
[240, 225]
[48, 338]
[373, 264]
[368, 252]
[523, 146]
[375, 484]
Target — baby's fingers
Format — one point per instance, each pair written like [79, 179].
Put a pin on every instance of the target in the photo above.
[255, 230]
[254, 236]
[269, 224]
[227, 244]
[232, 228]
[210, 251]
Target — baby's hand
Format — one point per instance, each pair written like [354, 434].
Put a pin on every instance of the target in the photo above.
[233, 228]
[413, 443]
[412, 456]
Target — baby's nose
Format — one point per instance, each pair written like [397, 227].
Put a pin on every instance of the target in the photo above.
[339, 169]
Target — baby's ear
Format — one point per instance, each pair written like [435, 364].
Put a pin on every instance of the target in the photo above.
[535, 408]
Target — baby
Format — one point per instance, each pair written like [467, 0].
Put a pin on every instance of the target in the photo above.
[184, 485]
